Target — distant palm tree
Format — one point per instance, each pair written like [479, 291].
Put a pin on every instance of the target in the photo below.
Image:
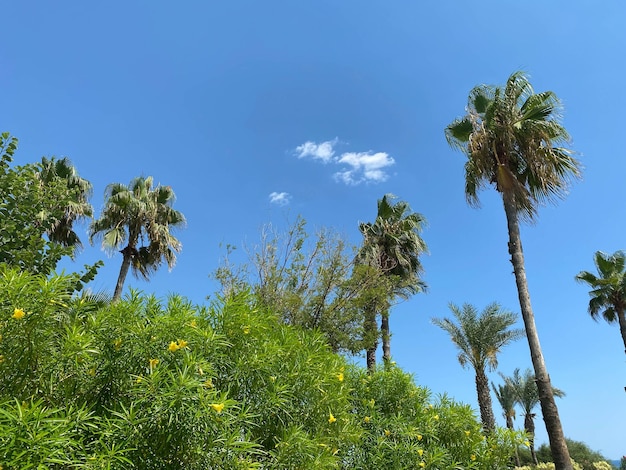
[136, 214]
[608, 294]
[479, 338]
[505, 394]
[392, 245]
[513, 140]
[61, 171]
[527, 396]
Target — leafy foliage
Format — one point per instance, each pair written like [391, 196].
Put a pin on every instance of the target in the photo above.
[151, 384]
[580, 452]
[307, 280]
[39, 204]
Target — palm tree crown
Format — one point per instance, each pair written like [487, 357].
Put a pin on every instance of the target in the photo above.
[480, 338]
[527, 396]
[392, 246]
[61, 171]
[513, 139]
[608, 294]
[138, 213]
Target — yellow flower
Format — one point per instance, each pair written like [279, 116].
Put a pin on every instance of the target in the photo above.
[367, 419]
[272, 378]
[340, 376]
[420, 452]
[473, 457]
[371, 402]
[527, 443]
[422, 464]
[387, 432]
[138, 380]
[218, 407]
[193, 324]
[182, 344]
[117, 343]
[419, 437]
[153, 363]
[467, 433]
[173, 347]
[18, 314]
[208, 383]
[331, 418]
[436, 417]
[246, 329]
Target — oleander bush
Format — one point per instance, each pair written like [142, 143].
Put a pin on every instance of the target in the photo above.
[148, 383]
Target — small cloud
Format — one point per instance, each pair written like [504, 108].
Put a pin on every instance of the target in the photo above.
[281, 199]
[364, 167]
[323, 151]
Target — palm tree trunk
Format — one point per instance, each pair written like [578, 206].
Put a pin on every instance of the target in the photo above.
[384, 330]
[550, 412]
[371, 337]
[119, 287]
[529, 427]
[484, 401]
[621, 318]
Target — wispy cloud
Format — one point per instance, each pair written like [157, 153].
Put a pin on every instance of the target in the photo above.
[282, 199]
[364, 167]
[323, 151]
[359, 167]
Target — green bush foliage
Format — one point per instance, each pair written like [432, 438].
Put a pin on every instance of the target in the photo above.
[157, 384]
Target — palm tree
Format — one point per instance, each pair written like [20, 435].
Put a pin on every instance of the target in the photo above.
[608, 294]
[513, 140]
[527, 396]
[61, 171]
[479, 338]
[392, 246]
[505, 394]
[138, 213]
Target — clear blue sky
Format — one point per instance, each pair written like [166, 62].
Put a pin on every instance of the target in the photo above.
[215, 98]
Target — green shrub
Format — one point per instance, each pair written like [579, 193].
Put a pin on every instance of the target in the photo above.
[151, 384]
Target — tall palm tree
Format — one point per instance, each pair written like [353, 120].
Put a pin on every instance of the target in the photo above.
[505, 394]
[608, 294]
[479, 338]
[513, 140]
[77, 207]
[138, 214]
[527, 396]
[392, 245]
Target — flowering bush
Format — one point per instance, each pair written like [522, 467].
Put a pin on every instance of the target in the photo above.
[151, 384]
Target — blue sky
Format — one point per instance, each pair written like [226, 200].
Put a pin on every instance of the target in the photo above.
[255, 112]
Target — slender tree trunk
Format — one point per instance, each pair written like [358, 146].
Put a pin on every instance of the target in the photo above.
[384, 330]
[529, 427]
[119, 287]
[621, 318]
[549, 410]
[484, 401]
[371, 337]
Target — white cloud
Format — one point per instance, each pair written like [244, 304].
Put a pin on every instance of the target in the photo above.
[358, 167]
[323, 151]
[281, 199]
[364, 167]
